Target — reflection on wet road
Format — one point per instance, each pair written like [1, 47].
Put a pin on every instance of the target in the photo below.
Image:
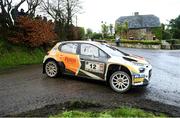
[165, 81]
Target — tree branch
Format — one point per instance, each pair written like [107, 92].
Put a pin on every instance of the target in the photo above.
[19, 4]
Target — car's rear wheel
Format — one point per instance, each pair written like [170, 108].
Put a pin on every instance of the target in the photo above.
[51, 69]
[120, 81]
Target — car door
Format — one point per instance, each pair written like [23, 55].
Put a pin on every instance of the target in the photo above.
[68, 55]
[93, 61]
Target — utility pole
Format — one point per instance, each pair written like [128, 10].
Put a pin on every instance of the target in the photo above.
[76, 20]
[102, 29]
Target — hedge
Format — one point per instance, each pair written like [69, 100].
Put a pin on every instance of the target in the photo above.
[173, 41]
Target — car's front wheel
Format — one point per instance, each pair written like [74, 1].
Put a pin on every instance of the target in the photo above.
[51, 68]
[120, 81]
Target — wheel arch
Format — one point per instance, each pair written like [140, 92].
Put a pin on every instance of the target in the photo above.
[60, 64]
[116, 67]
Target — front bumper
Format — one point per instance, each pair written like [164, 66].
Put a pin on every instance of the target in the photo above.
[142, 78]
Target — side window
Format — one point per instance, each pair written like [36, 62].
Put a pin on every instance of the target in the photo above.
[102, 54]
[89, 50]
[69, 48]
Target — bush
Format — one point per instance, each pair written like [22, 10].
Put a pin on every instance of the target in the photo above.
[144, 42]
[173, 41]
[81, 33]
[177, 41]
[166, 35]
[33, 32]
[97, 35]
[109, 37]
[157, 32]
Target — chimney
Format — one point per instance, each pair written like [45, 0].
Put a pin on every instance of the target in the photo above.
[136, 13]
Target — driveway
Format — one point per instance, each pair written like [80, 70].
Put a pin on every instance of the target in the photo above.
[26, 88]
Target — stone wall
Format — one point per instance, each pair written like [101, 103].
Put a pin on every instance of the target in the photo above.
[140, 46]
[175, 46]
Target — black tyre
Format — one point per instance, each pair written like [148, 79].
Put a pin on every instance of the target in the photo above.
[51, 69]
[120, 81]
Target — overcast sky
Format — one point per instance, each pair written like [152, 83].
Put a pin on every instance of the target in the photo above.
[96, 11]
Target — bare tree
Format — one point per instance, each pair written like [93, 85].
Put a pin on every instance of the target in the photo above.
[62, 11]
[6, 7]
[54, 9]
[32, 5]
[72, 8]
[9, 10]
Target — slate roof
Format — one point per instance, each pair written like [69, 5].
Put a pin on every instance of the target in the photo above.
[140, 21]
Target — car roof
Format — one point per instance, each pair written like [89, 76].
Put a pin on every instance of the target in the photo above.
[81, 41]
[98, 44]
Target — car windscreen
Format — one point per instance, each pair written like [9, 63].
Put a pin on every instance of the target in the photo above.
[112, 50]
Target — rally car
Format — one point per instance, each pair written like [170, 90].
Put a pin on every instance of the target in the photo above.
[98, 61]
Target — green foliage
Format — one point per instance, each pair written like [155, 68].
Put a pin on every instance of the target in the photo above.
[4, 46]
[174, 27]
[97, 35]
[109, 37]
[71, 114]
[173, 41]
[121, 112]
[118, 29]
[82, 32]
[14, 55]
[122, 29]
[166, 35]
[157, 32]
[131, 112]
[145, 42]
[177, 41]
[111, 29]
[89, 33]
[104, 29]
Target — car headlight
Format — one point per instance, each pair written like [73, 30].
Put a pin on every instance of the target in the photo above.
[141, 70]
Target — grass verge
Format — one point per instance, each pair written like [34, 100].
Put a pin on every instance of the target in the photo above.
[14, 55]
[120, 112]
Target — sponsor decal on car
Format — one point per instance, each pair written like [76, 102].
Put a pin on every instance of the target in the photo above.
[94, 67]
[137, 80]
[71, 62]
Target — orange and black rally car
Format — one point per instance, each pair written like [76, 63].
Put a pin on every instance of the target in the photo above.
[98, 61]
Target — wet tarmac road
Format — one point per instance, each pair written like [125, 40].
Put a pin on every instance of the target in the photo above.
[26, 88]
[165, 81]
